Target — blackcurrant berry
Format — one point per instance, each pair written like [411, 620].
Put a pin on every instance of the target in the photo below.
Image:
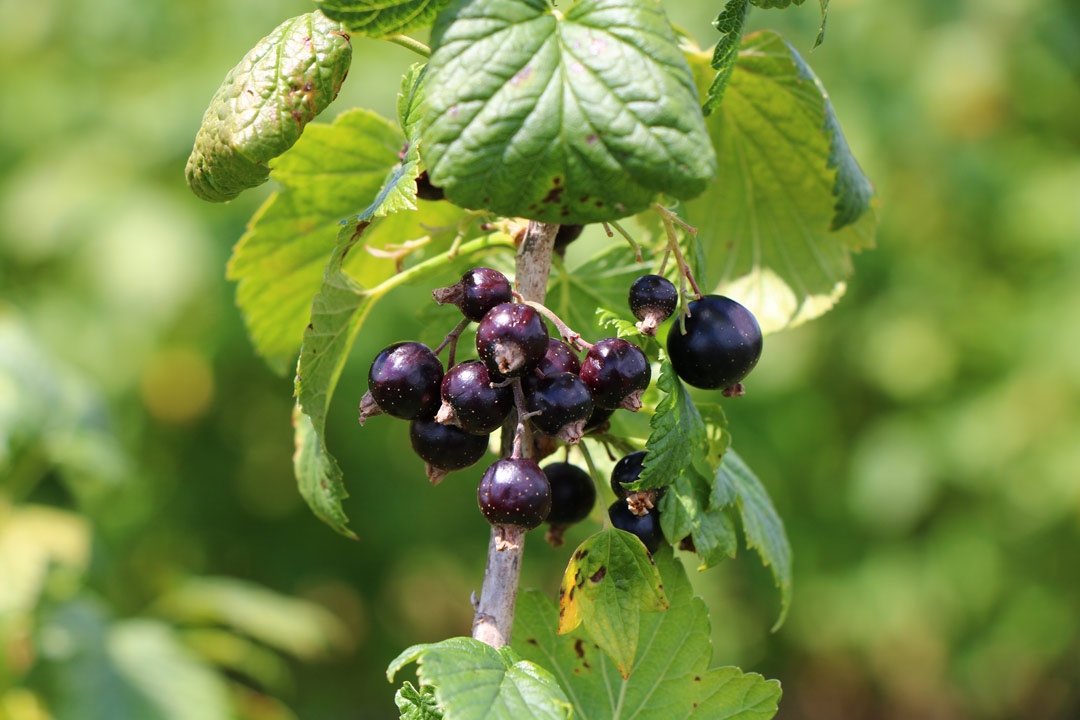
[627, 471]
[478, 291]
[617, 372]
[404, 382]
[511, 339]
[425, 190]
[514, 491]
[566, 235]
[572, 498]
[564, 404]
[646, 527]
[445, 448]
[652, 300]
[559, 357]
[470, 402]
[720, 347]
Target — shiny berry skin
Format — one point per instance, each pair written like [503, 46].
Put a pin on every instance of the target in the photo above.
[559, 357]
[646, 527]
[478, 291]
[514, 491]
[404, 380]
[627, 471]
[425, 190]
[470, 402]
[572, 493]
[722, 343]
[652, 301]
[511, 339]
[566, 235]
[617, 372]
[564, 403]
[446, 447]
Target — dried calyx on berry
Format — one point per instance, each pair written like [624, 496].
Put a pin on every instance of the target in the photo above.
[471, 402]
[511, 339]
[627, 471]
[514, 496]
[404, 382]
[563, 404]
[445, 448]
[653, 298]
[721, 344]
[617, 372]
[646, 527]
[425, 190]
[572, 498]
[478, 291]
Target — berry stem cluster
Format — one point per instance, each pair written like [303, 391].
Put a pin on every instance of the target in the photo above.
[670, 219]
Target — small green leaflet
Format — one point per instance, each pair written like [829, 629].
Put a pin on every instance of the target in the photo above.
[261, 108]
[787, 3]
[779, 229]
[736, 483]
[573, 114]
[417, 705]
[670, 677]
[474, 681]
[685, 510]
[382, 18]
[730, 25]
[678, 433]
[610, 581]
[628, 331]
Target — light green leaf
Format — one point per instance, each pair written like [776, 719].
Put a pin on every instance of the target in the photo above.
[417, 705]
[627, 330]
[261, 108]
[610, 581]
[474, 681]
[730, 25]
[601, 282]
[382, 18]
[685, 510]
[791, 203]
[762, 525]
[678, 434]
[670, 677]
[573, 114]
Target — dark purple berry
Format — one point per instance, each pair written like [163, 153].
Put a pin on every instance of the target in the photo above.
[617, 372]
[566, 235]
[572, 498]
[445, 448]
[469, 400]
[652, 300]
[514, 491]
[404, 381]
[627, 471]
[559, 357]
[564, 403]
[425, 190]
[646, 527]
[478, 291]
[722, 344]
[511, 339]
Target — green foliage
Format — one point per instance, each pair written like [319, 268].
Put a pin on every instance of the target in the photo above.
[530, 114]
[686, 510]
[670, 676]
[417, 705]
[730, 25]
[382, 18]
[474, 681]
[610, 581]
[575, 292]
[678, 434]
[261, 108]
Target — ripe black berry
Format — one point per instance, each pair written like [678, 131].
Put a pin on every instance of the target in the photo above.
[469, 400]
[652, 300]
[572, 498]
[511, 339]
[514, 491]
[646, 527]
[445, 448]
[478, 291]
[566, 235]
[425, 190]
[559, 357]
[564, 403]
[617, 372]
[721, 345]
[627, 471]
[404, 382]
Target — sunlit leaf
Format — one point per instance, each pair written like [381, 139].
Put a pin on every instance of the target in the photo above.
[382, 18]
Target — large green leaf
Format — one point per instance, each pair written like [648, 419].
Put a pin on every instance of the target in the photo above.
[261, 108]
[575, 293]
[610, 581]
[382, 18]
[572, 114]
[670, 678]
[790, 203]
[474, 681]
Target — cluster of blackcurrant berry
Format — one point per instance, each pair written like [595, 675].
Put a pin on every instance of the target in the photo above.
[542, 392]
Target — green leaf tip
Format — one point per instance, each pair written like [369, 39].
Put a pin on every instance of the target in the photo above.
[382, 18]
[262, 107]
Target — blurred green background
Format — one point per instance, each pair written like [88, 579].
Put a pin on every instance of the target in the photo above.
[922, 441]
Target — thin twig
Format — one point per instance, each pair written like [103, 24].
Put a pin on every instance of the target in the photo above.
[669, 218]
[415, 45]
[633, 243]
[451, 340]
[574, 338]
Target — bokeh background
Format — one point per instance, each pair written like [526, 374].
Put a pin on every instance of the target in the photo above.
[922, 441]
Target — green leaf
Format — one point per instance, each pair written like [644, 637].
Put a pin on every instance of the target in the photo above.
[610, 581]
[730, 25]
[678, 434]
[670, 678]
[569, 115]
[474, 681]
[791, 204]
[601, 282]
[382, 18]
[685, 510]
[417, 705]
[762, 525]
[261, 108]
[625, 329]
